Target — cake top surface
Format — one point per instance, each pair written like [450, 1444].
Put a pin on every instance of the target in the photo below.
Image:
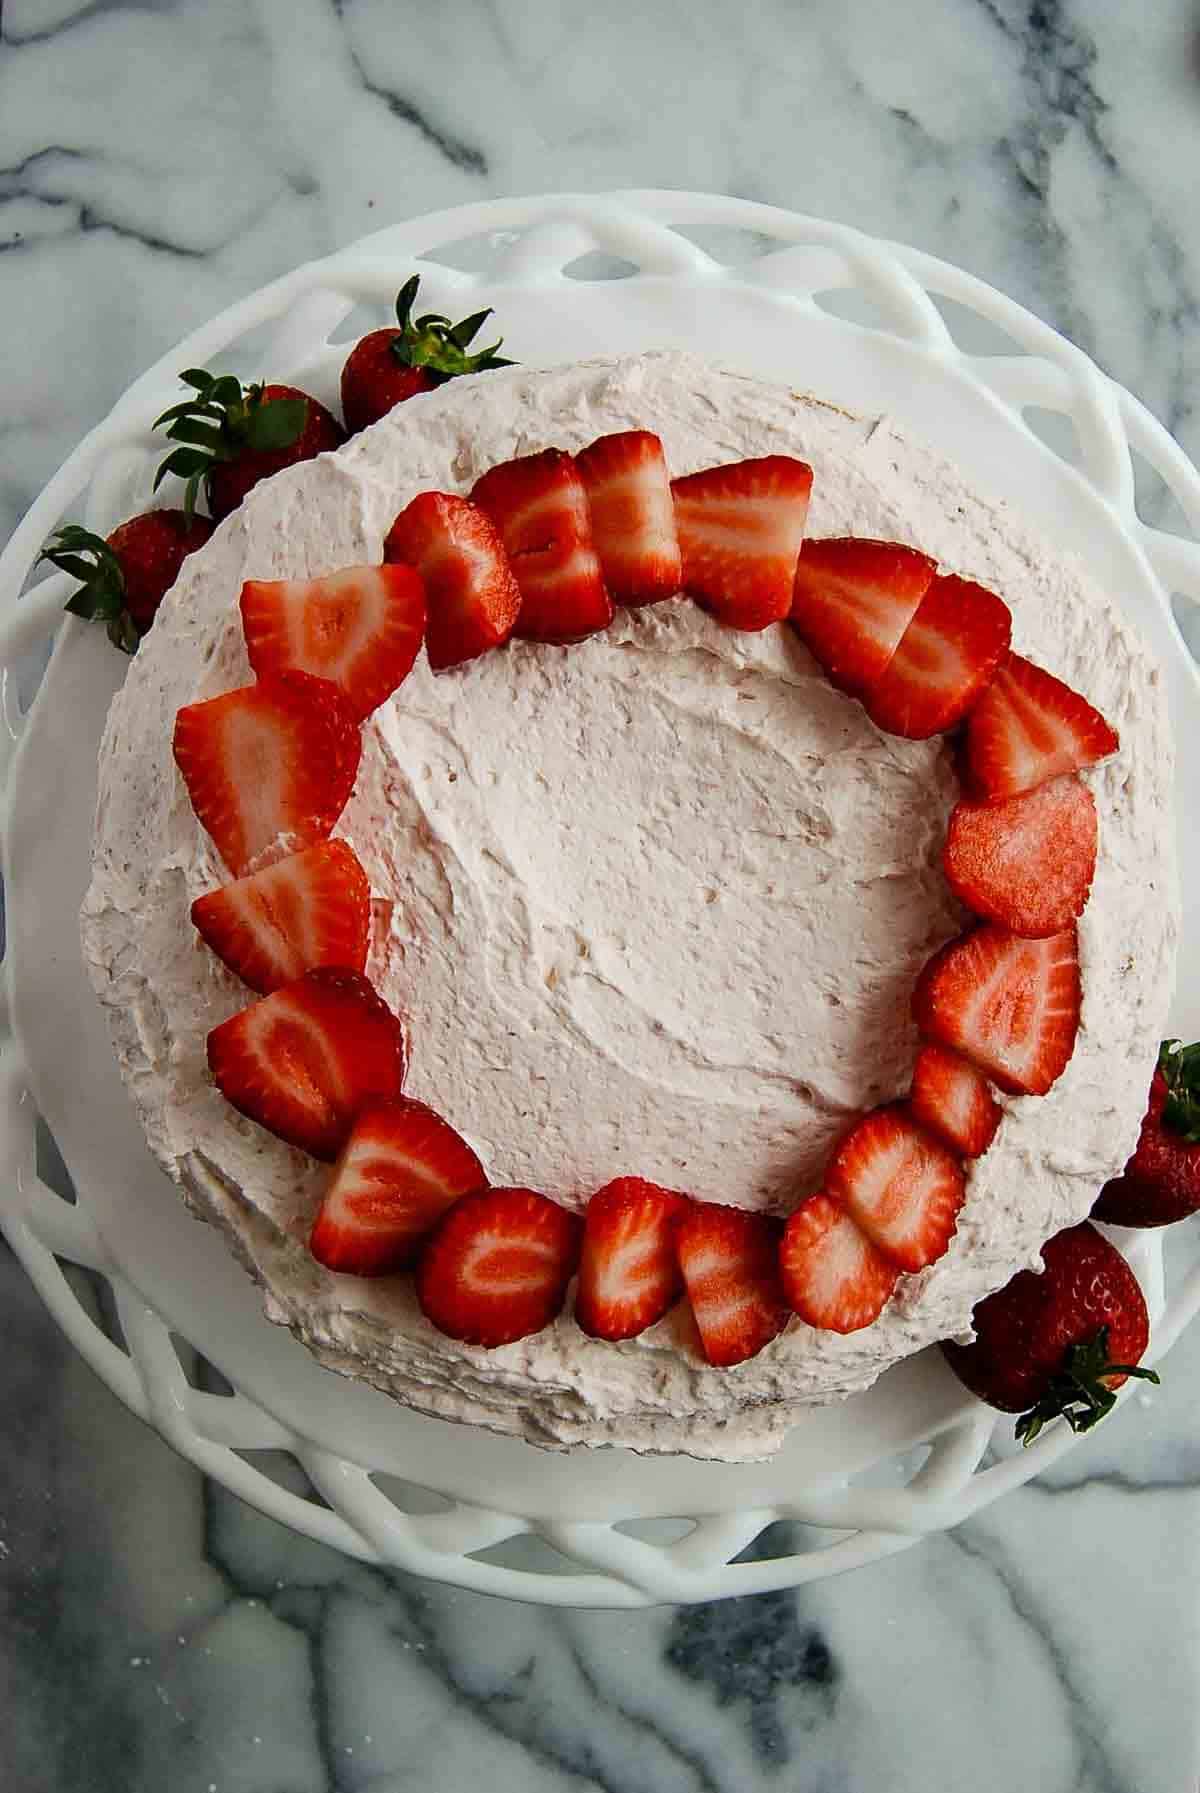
[651, 905]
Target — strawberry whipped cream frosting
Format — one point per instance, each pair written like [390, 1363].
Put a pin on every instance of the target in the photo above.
[649, 905]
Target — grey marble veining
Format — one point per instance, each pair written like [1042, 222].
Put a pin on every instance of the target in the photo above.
[158, 160]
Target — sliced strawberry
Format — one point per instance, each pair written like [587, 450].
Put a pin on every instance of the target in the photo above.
[730, 1263]
[472, 597]
[628, 1274]
[303, 1061]
[498, 1266]
[268, 766]
[1029, 727]
[833, 1276]
[1025, 861]
[398, 1172]
[361, 629]
[946, 656]
[899, 1185]
[633, 519]
[312, 908]
[953, 1100]
[852, 601]
[539, 505]
[740, 529]
[1009, 1005]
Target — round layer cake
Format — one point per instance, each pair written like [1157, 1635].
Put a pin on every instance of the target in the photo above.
[650, 905]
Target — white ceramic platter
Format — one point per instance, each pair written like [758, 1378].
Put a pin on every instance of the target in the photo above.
[870, 325]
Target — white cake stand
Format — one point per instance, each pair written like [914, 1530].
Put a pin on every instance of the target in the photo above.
[178, 1333]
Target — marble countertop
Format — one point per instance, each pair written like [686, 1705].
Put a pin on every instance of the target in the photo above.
[158, 160]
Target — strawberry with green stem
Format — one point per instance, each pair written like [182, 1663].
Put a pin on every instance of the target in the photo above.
[230, 436]
[1161, 1182]
[1058, 1343]
[387, 366]
[125, 576]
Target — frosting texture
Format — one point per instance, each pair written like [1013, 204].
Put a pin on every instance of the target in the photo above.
[650, 905]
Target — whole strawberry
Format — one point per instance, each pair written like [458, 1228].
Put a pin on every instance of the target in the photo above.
[232, 436]
[388, 366]
[1161, 1182]
[1060, 1343]
[125, 576]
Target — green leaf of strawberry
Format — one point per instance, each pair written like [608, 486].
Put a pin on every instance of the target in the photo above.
[101, 594]
[432, 342]
[276, 424]
[1180, 1066]
[1079, 1393]
[223, 423]
[123, 579]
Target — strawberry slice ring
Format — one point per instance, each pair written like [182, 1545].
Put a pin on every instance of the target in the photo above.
[540, 550]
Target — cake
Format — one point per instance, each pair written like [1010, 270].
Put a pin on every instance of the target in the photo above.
[652, 904]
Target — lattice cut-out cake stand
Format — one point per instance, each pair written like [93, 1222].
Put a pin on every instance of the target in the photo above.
[152, 1300]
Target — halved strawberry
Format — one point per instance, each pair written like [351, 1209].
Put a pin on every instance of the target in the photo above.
[269, 766]
[360, 628]
[730, 1263]
[633, 519]
[899, 1185]
[305, 1060]
[402, 1167]
[946, 656]
[312, 908]
[471, 595]
[498, 1265]
[852, 601]
[833, 1276]
[539, 505]
[1025, 861]
[1009, 1005]
[1029, 727]
[628, 1274]
[740, 529]
[952, 1099]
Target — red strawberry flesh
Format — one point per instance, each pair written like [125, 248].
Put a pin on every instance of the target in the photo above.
[1009, 1005]
[1025, 1331]
[229, 481]
[900, 1186]
[729, 1259]
[834, 1277]
[629, 1273]
[360, 628]
[269, 767]
[497, 1267]
[539, 505]
[632, 516]
[1029, 727]
[472, 596]
[373, 380]
[151, 549]
[1161, 1182]
[952, 1099]
[399, 1172]
[311, 909]
[852, 601]
[740, 529]
[1026, 861]
[946, 656]
[305, 1060]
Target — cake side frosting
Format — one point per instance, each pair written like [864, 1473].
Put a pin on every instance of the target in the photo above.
[651, 905]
